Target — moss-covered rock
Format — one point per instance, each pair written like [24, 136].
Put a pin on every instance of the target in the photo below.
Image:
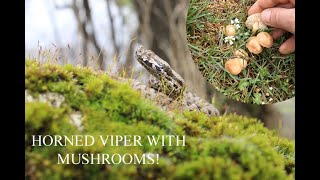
[224, 147]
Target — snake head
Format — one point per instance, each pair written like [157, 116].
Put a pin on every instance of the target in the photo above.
[150, 61]
[160, 69]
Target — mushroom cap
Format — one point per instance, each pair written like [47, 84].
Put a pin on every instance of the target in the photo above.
[265, 39]
[253, 45]
[235, 65]
[230, 30]
[240, 53]
[255, 18]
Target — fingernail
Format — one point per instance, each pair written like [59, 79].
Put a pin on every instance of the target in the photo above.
[265, 15]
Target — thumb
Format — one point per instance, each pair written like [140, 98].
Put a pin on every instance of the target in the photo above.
[280, 18]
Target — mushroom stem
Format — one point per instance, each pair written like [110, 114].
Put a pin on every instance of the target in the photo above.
[255, 27]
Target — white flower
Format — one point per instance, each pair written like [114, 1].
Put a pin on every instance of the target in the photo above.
[270, 88]
[232, 21]
[238, 26]
[229, 39]
[236, 20]
[226, 39]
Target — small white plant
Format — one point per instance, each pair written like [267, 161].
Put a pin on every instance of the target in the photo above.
[229, 39]
[236, 23]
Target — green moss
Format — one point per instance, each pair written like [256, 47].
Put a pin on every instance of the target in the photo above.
[209, 168]
[224, 147]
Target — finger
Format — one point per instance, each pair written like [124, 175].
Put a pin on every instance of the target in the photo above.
[288, 46]
[286, 5]
[277, 33]
[260, 5]
[279, 18]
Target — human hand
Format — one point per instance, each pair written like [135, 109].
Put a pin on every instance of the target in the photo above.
[281, 15]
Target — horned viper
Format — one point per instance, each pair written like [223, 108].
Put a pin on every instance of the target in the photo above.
[167, 87]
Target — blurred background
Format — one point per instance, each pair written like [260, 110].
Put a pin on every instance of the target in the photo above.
[101, 33]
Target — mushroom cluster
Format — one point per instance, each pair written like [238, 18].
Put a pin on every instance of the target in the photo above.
[255, 44]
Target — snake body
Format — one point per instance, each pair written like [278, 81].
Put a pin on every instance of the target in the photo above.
[164, 79]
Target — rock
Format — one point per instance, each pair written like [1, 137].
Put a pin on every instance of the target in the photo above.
[27, 96]
[76, 119]
[55, 100]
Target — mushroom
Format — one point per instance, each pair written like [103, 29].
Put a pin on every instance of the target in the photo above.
[254, 22]
[230, 30]
[253, 45]
[235, 65]
[240, 53]
[265, 39]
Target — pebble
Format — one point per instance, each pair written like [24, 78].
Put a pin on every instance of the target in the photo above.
[192, 107]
